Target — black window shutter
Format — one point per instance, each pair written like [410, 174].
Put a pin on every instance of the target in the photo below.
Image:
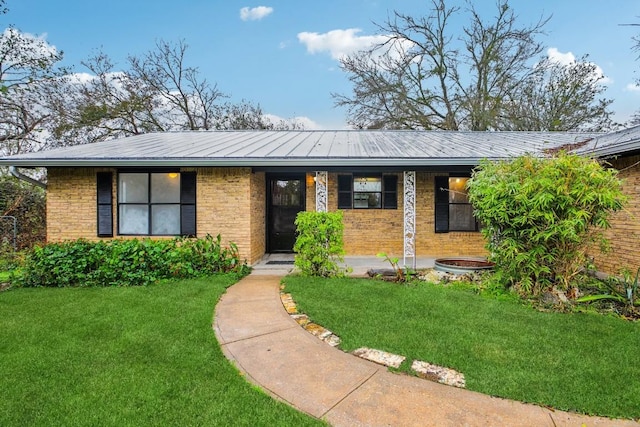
[390, 187]
[442, 204]
[188, 204]
[105, 204]
[345, 193]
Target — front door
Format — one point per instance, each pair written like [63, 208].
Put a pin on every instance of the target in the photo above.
[285, 198]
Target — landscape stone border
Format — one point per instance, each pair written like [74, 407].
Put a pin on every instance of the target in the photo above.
[422, 369]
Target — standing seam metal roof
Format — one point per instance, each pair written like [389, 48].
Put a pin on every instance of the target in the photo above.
[318, 148]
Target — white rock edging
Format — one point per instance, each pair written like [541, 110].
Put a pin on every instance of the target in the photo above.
[438, 374]
[379, 356]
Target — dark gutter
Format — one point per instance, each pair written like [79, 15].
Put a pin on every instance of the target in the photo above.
[14, 171]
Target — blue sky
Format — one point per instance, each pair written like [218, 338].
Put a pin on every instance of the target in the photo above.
[283, 56]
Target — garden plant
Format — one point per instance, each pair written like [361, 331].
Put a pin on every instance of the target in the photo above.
[123, 262]
[542, 216]
[319, 244]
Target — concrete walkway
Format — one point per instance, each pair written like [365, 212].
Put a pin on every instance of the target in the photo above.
[275, 353]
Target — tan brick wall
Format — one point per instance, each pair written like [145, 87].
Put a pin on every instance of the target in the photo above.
[624, 235]
[71, 203]
[430, 243]
[232, 202]
[368, 232]
[258, 216]
[224, 206]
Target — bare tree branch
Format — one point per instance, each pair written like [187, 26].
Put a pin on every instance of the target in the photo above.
[430, 74]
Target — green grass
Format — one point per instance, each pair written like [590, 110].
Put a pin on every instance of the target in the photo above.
[578, 362]
[124, 356]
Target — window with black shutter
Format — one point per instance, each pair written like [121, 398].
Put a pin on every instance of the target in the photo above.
[157, 203]
[345, 191]
[367, 191]
[453, 212]
[188, 204]
[390, 194]
[105, 204]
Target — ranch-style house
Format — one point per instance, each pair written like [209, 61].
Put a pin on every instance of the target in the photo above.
[402, 192]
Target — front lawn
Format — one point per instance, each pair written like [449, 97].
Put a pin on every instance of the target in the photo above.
[585, 363]
[124, 356]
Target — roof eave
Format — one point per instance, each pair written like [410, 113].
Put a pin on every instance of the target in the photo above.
[264, 162]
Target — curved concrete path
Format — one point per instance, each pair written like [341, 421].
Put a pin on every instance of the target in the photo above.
[275, 353]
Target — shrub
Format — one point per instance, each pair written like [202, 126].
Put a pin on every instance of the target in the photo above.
[319, 246]
[26, 203]
[540, 216]
[196, 257]
[617, 294]
[127, 262]
[9, 258]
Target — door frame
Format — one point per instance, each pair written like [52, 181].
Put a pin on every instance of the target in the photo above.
[271, 176]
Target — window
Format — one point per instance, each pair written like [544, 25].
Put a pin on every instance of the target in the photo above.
[453, 210]
[367, 191]
[155, 203]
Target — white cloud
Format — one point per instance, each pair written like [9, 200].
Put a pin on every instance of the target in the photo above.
[568, 58]
[633, 87]
[88, 77]
[255, 13]
[306, 122]
[338, 43]
[81, 78]
[20, 45]
[561, 58]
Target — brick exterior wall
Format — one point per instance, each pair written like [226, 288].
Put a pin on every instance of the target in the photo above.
[625, 225]
[430, 243]
[223, 206]
[258, 211]
[71, 203]
[232, 202]
[371, 231]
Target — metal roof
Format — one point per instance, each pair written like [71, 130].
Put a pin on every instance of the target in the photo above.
[304, 149]
[623, 142]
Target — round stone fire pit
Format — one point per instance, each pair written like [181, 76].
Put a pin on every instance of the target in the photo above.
[462, 265]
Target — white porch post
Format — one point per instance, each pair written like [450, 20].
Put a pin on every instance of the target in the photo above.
[321, 191]
[410, 217]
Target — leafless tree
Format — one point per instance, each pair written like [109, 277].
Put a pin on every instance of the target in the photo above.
[156, 92]
[103, 104]
[429, 74]
[560, 97]
[27, 65]
[190, 99]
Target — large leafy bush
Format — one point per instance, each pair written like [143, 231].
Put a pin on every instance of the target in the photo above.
[319, 244]
[127, 262]
[540, 216]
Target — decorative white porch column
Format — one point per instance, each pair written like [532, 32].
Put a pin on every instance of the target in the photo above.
[410, 218]
[321, 191]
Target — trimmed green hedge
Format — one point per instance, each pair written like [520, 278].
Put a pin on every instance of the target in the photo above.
[128, 262]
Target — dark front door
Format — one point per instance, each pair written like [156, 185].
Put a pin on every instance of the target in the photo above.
[285, 198]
